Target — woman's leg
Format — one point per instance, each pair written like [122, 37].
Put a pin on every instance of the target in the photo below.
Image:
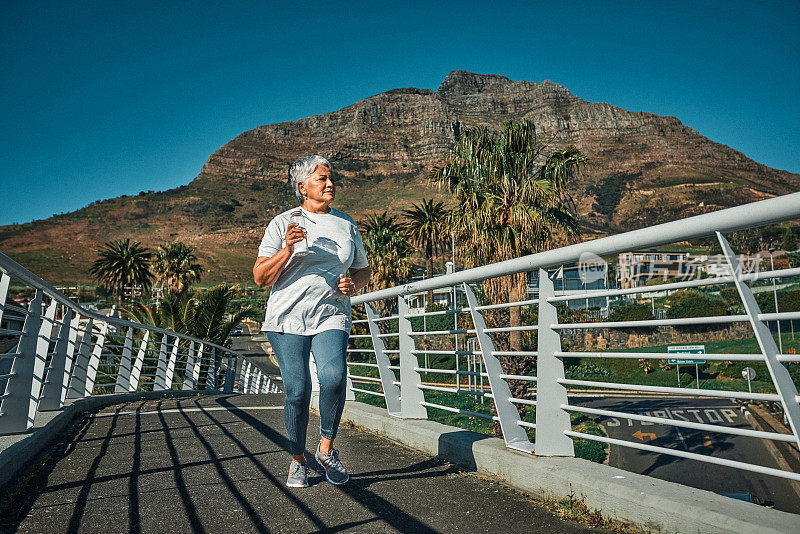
[292, 352]
[330, 354]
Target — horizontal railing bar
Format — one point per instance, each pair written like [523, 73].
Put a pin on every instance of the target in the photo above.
[507, 305]
[527, 402]
[360, 336]
[685, 424]
[10, 355]
[654, 322]
[8, 375]
[394, 367]
[458, 410]
[423, 351]
[782, 316]
[474, 392]
[367, 378]
[362, 364]
[376, 393]
[438, 388]
[390, 334]
[772, 210]
[688, 455]
[526, 424]
[515, 352]
[358, 321]
[360, 350]
[387, 318]
[519, 377]
[661, 356]
[719, 280]
[391, 351]
[678, 391]
[448, 371]
[20, 273]
[511, 329]
[441, 332]
[10, 332]
[440, 312]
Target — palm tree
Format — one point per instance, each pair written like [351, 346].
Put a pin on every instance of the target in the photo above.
[175, 265]
[510, 200]
[425, 226]
[122, 263]
[207, 315]
[388, 250]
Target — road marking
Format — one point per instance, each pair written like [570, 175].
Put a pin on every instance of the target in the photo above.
[186, 410]
[641, 435]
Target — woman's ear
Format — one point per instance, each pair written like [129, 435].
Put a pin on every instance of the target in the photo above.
[302, 188]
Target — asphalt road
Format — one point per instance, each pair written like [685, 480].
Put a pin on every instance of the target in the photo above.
[693, 473]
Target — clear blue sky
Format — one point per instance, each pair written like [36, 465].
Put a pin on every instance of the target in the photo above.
[107, 98]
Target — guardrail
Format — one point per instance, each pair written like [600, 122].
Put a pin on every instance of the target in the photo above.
[387, 351]
[64, 351]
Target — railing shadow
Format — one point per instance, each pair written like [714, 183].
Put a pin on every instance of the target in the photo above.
[388, 512]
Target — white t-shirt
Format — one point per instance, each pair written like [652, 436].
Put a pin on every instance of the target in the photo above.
[305, 299]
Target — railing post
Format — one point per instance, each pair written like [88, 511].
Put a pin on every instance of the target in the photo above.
[212, 367]
[94, 361]
[160, 382]
[42, 350]
[513, 433]
[124, 369]
[136, 371]
[4, 281]
[173, 357]
[390, 390]
[77, 382]
[230, 374]
[189, 381]
[784, 385]
[19, 407]
[56, 382]
[243, 365]
[551, 419]
[411, 395]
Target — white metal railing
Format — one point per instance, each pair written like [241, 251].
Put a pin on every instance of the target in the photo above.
[477, 373]
[64, 351]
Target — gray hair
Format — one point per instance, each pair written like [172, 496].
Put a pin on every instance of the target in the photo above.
[304, 167]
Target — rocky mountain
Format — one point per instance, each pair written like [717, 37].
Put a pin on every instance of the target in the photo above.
[645, 169]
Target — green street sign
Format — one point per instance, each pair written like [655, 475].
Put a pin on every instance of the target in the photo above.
[685, 350]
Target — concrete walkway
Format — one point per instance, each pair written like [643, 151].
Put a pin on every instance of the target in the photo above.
[217, 464]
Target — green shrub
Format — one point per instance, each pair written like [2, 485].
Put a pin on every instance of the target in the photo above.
[690, 303]
[632, 312]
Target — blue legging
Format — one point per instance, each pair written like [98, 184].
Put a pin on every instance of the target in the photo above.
[330, 355]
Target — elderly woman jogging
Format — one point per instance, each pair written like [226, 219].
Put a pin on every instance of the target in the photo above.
[305, 255]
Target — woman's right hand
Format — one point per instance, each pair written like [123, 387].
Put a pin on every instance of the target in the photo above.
[294, 234]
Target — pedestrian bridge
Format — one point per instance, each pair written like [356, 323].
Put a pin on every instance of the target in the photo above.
[110, 425]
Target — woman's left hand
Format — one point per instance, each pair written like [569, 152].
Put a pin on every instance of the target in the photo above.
[346, 285]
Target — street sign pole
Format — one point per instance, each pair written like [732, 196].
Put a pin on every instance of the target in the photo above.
[678, 369]
[697, 374]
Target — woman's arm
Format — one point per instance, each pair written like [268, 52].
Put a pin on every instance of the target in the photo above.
[268, 268]
[360, 277]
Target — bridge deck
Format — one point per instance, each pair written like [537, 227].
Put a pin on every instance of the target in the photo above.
[217, 464]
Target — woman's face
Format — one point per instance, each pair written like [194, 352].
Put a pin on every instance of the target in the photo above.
[319, 186]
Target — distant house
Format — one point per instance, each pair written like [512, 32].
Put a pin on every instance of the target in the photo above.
[636, 269]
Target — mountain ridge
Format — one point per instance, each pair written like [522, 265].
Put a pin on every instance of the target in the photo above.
[645, 169]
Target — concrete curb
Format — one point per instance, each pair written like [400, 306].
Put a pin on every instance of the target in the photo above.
[19, 451]
[652, 504]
